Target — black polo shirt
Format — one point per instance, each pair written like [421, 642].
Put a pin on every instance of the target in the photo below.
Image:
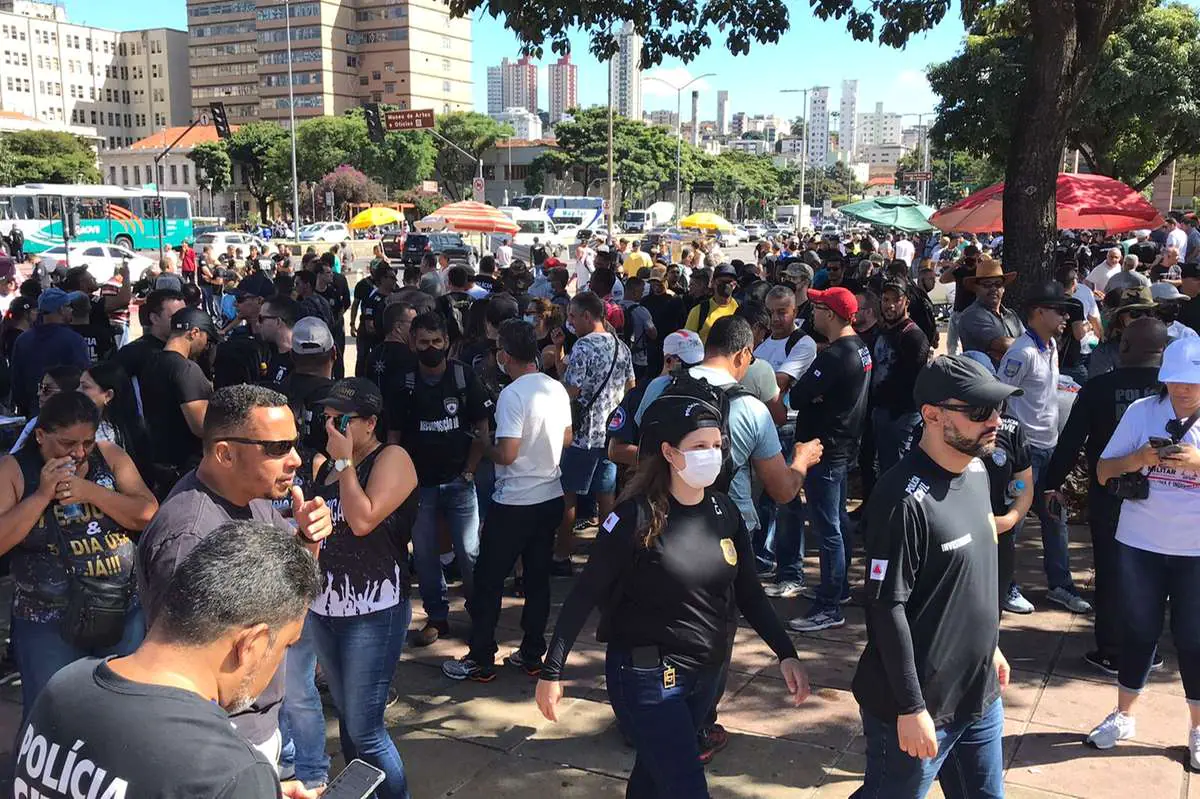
[436, 417]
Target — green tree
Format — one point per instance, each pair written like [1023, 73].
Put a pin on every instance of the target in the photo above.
[47, 157]
[475, 134]
[8, 170]
[1066, 40]
[1130, 123]
[966, 173]
[251, 146]
[348, 185]
[214, 169]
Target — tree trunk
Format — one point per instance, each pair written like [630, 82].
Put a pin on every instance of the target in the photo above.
[1066, 38]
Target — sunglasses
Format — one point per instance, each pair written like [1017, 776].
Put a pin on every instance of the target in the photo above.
[989, 284]
[1138, 314]
[272, 449]
[975, 413]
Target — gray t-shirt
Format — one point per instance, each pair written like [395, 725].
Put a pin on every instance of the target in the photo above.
[191, 511]
[1126, 279]
[978, 327]
[760, 380]
[1033, 366]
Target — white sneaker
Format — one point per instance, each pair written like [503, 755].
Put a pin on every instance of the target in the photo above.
[1194, 748]
[1119, 727]
[1069, 600]
[1016, 603]
[788, 589]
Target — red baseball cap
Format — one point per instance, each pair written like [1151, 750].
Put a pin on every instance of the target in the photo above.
[837, 299]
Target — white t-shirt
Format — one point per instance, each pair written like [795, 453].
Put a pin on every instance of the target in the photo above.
[1164, 522]
[535, 409]
[1178, 239]
[905, 251]
[1099, 276]
[1085, 296]
[794, 363]
[504, 256]
[1036, 371]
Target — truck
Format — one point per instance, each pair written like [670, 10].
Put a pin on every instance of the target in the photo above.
[794, 216]
[639, 220]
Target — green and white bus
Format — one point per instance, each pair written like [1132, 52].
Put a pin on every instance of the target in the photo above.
[108, 214]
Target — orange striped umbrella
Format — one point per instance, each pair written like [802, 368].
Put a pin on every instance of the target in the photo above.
[469, 217]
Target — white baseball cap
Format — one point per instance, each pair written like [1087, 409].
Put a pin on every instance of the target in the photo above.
[1181, 361]
[1165, 292]
[684, 345]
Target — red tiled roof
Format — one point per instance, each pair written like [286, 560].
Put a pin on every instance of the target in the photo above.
[159, 140]
[17, 115]
[882, 181]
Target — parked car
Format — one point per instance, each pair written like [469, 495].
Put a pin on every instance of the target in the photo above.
[754, 231]
[452, 244]
[732, 238]
[101, 260]
[332, 232]
[221, 239]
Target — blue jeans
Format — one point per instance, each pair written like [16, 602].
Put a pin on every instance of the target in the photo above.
[1055, 559]
[969, 763]
[891, 434]
[663, 723]
[40, 651]
[789, 541]
[457, 503]
[763, 537]
[485, 483]
[588, 470]
[825, 489]
[1146, 581]
[302, 719]
[358, 655]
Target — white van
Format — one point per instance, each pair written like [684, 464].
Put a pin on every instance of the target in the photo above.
[533, 224]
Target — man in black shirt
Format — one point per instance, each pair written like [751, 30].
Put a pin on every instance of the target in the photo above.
[1189, 284]
[312, 303]
[334, 287]
[1094, 416]
[900, 353]
[393, 355]
[244, 354]
[928, 682]
[100, 340]
[369, 325]
[666, 310]
[158, 719]
[830, 401]
[308, 382]
[155, 317]
[275, 322]
[439, 412]
[175, 396]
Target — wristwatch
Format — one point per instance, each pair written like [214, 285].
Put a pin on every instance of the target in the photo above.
[469, 476]
[341, 463]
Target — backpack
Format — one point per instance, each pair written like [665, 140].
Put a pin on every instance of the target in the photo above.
[615, 315]
[793, 340]
[683, 385]
[455, 305]
[626, 334]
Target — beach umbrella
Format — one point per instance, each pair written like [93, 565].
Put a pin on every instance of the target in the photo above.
[469, 217]
[900, 212]
[376, 216]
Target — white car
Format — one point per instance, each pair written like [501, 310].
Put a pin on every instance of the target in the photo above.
[754, 231]
[102, 260]
[219, 240]
[732, 238]
[332, 232]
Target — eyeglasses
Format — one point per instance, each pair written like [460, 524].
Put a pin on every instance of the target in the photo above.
[48, 389]
[989, 284]
[975, 413]
[264, 317]
[272, 449]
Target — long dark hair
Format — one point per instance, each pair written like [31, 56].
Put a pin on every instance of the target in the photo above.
[651, 484]
[122, 411]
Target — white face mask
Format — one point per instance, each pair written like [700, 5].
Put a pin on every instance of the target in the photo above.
[701, 467]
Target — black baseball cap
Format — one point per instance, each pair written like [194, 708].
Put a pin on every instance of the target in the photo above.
[958, 377]
[356, 395]
[670, 418]
[188, 318]
[725, 270]
[1190, 271]
[255, 285]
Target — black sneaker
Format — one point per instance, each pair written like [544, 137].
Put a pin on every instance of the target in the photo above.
[561, 568]
[1105, 664]
[531, 666]
[1157, 662]
[466, 669]
[711, 741]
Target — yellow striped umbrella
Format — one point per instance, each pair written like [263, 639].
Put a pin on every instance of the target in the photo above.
[706, 220]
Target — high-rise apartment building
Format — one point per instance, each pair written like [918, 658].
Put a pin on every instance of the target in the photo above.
[848, 118]
[123, 84]
[818, 126]
[564, 88]
[737, 125]
[410, 55]
[665, 118]
[877, 128]
[625, 74]
[722, 113]
[513, 85]
[495, 88]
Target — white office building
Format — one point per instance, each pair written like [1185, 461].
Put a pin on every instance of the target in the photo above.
[524, 124]
[722, 113]
[123, 84]
[848, 118]
[818, 126]
[876, 128]
[625, 74]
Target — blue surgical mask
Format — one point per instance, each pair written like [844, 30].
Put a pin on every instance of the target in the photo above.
[531, 319]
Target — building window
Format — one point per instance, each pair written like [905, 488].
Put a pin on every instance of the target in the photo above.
[362, 81]
[112, 175]
[446, 44]
[185, 174]
[297, 10]
[377, 97]
[445, 64]
[390, 87]
[388, 66]
[352, 61]
[375, 75]
[280, 34]
[374, 37]
[137, 174]
[445, 85]
[124, 176]
[174, 175]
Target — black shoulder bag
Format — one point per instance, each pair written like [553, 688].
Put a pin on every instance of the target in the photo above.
[579, 411]
[1135, 485]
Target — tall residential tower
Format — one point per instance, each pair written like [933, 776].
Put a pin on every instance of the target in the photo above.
[564, 88]
[625, 74]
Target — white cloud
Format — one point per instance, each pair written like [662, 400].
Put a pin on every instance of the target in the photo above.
[668, 77]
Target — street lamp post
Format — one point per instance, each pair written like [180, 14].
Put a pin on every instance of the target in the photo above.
[679, 130]
[287, 16]
[803, 138]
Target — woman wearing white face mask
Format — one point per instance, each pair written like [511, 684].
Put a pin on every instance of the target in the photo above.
[671, 565]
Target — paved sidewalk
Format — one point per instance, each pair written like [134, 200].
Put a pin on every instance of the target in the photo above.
[471, 740]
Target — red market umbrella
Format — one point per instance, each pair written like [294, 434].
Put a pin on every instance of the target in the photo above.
[1085, 202]
[469, 217]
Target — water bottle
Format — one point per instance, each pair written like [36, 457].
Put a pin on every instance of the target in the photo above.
[1014, 490]
[73, 511]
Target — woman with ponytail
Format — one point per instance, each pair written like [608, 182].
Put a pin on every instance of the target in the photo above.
[671, 566]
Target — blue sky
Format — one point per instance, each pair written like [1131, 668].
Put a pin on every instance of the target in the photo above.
[813, 53]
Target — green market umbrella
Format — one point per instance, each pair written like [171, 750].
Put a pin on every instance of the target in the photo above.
[901, 213]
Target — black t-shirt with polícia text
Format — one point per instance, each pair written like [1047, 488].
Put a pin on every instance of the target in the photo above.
[92, 732]
[99, 339]
[831, 398]
[169, 381]
[436, 418]
[931, 547]
[678, 594]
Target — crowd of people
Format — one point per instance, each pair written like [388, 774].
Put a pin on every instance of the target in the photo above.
[232, 517]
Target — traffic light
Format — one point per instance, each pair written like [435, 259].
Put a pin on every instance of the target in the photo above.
[374, 122]
[220, 121]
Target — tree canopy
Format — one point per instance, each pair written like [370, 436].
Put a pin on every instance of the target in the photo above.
[36, 156]
[251, 146]
[475, 134]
